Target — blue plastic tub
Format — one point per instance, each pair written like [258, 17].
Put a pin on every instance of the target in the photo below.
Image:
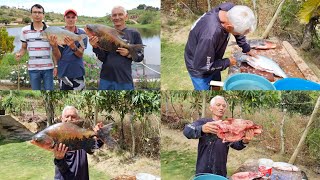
[246, 81]
[210, 177]
[296, 84]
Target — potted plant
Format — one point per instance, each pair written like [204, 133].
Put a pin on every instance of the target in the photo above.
[2, 109]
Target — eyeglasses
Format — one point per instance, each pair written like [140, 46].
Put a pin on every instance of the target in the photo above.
[37, 12]
[70, 17]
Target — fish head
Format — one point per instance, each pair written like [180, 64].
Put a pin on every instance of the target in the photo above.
[90, 29]
[43, 140]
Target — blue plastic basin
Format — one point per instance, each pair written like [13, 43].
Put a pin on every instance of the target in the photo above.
[246, 81]
[296, 84]
[210, 177]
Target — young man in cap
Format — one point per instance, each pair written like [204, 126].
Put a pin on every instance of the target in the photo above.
[71, 69]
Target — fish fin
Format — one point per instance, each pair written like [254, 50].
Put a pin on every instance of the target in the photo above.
[82, 36]
[104, 135]
[133, 49]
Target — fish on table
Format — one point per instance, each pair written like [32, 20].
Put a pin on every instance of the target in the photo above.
[61, 34]
[259, 44]
[73, 136]
[262, 63]
[110, 39]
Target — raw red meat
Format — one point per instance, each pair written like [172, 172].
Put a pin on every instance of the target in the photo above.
[245, 176]
[232, 130]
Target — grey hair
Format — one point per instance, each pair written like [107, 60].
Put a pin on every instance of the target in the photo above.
[120, 7]
[214, 99]
[242, 18]
[69, 107]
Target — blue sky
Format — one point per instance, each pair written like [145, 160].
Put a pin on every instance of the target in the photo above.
[97, 8]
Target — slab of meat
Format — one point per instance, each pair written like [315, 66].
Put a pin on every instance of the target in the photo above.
[245, 176]
[232, 130]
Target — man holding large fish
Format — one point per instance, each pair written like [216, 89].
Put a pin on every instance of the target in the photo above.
[212, 150]
[116, 48]
[208, 40]
[71, 143]
[40, 65]
[68, 45]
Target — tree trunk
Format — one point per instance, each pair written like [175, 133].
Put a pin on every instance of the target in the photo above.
[167, 104]
[133, 150]
[96, 113]
[275, 16]
[209, 5]
[305, 133]
[203, 113]
[282, 150]
[49, 110]
[308, 32]
[122, 140]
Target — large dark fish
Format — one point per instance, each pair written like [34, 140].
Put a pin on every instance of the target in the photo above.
[110, 39]
[73, 136]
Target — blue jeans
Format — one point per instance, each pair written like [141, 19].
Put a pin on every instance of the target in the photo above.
[112, 85]
[39, 77]
[204, 83]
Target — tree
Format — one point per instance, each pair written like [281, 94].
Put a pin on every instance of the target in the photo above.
[6, 42]
[309, 15]
[50, 100]
[304, 135]
[141, 6]
[26, 20]
[276, 14]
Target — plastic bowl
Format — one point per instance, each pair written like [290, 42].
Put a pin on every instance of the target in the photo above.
[246, 81]
[210, 177]
[296, 84]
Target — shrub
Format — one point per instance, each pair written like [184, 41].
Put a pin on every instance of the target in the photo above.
[23, 76]
[92, 68]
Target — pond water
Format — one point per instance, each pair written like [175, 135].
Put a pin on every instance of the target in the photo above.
[150, 38]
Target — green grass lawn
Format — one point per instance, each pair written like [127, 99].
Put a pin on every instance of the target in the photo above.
[22, 160]
[177, 164]
[174, 74]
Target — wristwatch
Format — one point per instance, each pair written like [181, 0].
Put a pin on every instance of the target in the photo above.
[75, 49]
[56, 66]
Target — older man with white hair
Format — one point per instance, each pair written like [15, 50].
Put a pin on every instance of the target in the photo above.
[212, 152]
[208, 40]
[116, 72]
[72, 164]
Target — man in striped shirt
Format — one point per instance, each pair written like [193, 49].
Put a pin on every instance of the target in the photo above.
[40, 64]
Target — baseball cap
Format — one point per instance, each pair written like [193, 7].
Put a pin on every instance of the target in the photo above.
[70, 10]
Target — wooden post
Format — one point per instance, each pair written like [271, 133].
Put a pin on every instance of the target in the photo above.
[304, 135]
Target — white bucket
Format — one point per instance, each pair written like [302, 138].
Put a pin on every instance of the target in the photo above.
[265, 167]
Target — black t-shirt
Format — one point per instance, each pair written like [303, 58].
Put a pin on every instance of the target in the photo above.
[115, 67]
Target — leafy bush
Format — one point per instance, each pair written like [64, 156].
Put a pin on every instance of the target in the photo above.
[313, 141]
[92, 68]
[23, 76]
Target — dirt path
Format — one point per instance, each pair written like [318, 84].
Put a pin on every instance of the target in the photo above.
[116, 165]
[175, 140]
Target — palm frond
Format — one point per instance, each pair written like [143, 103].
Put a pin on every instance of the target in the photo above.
[309, 9]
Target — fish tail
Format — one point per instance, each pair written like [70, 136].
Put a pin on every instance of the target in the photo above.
[104, 134]
[81, 38]
[133, 49]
